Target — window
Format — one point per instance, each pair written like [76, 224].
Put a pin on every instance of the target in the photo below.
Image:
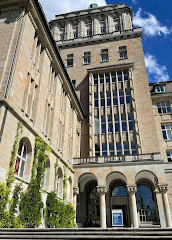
[118, 148]
[102, 27]
[108, 99]
[62, 33]
[95, 79]
[111, 149]
[126, 76]
[102, 99]
[124, 123]
[103, 124]
[123, 52]
[115, 99]
[167, 131]
[75, 31]
[110, 125]
[163, 107]
[119, 76]
[104, 55]
[130, 122]
[21, 159]
[117, 123]
[169, 156]
[121, 97]
[104, 149]
[97, 149]
[101, 79]
[87, 57]
[113, 77]
[128, 97]
[146, 203]
[95, 100]
[133, 148]
[119, 190]
[70, 60]
[96, 123]
[160, 88]
[107, 78]
[89, 29]
[126, 148]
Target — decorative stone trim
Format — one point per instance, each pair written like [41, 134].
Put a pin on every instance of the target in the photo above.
[131, 189]
[75, 191]
[163, 188]
[102, 189]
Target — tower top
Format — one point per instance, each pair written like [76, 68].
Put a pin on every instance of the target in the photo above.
[93, 5]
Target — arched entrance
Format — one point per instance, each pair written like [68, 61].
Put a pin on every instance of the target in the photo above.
[146, 202]
[119, 204]
[93, 205]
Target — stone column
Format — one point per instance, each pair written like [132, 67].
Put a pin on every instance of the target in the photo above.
[160, 208]
[133, 206]
[163, 188]
[75, 193]
[102, 191]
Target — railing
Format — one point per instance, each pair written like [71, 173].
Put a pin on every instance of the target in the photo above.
[114, 33]
[114, 159]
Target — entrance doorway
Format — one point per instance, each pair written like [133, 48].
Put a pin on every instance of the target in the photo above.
[119, 202]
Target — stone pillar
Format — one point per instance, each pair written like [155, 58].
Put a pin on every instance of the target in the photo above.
[102, 191]
[163, 189]
[160, 208]
[75, 193]
[96, 26]
[133, 206]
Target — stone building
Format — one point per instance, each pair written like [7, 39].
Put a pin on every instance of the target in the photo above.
[86, 94]
[123, 166]
[35, 89]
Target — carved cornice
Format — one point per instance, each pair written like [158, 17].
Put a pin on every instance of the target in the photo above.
[102, 190]
[132, 189]
[75, 191]
[163, 188]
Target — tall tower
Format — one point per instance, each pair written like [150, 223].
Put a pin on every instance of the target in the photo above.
[120, 171]
[104, 58]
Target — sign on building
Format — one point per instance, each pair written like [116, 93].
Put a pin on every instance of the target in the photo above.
[117, 218]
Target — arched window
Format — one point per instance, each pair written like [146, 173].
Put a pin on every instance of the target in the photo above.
[146, 203]
[59, 183]
[21, 159]
[119, 190]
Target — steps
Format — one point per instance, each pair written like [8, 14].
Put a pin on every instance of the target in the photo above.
[86, 233]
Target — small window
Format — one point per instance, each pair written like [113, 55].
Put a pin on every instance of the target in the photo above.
[104, 55]
[70, 60]
[123, 52]
[103, 124]
[164, 107]
[62, 34]
[126, 148]
[95, 79]
[111, 149]
[97, 149]
[110, 125]
[169, 156]
[87, 57]
[102, 27]
[104, 149]
[95, 100]
[96, 125]
[167, 132]
[89, 29]
[160, 88]
[118, 148]
[75, 31]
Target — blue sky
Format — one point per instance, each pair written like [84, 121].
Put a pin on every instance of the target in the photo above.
[154, 16]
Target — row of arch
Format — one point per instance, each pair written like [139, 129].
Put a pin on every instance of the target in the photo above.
[23, 166]
[117, 197]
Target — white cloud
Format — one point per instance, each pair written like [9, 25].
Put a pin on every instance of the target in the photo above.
[151, 26]
[134, 1]
[54, 7]
[156, 72]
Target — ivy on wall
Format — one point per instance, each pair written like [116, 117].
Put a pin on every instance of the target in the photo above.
[8, 207]
[58, 214]
[31, 204]
[24, 209]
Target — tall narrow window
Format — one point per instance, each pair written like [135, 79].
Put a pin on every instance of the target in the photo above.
[96, 122]
[21, 159]
[130, 122]
[95, 100]
[87, 57]
[118, 148]
[115, 99]
[111, 149]
[75, 31]
[104, 149]
[108, 95]
[95, 79]
[167, 131]
[103, 124]
[124, 123]
[117, 128]
[110, 125]
[103, 27]
[69, 60]
[62, 34]
[97, 149]
[126, 148]
[89, 29]
[104, 55]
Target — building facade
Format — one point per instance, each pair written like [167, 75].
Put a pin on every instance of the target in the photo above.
[35, 89]
[123, 165]
[86, 94]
